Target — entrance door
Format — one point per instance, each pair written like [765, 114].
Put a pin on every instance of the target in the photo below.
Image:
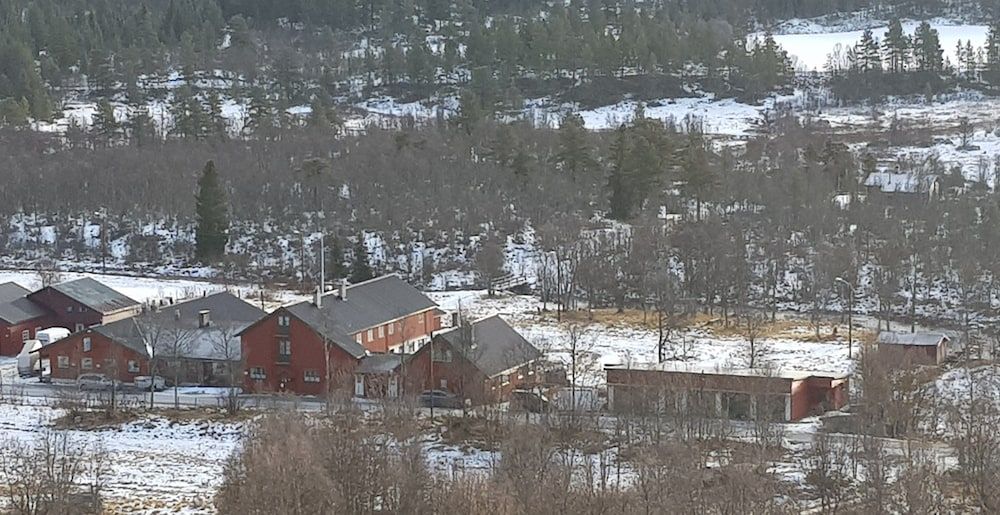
[359, 385]
[393, 386]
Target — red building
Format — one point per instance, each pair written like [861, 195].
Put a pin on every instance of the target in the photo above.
[313, 347]
[740, 394]
[20, 318]
[192, 342]
[906, 349]
[481, 361]
[77, 305]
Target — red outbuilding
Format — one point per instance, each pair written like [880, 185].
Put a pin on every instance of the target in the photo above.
[20, 318]
[82, 303]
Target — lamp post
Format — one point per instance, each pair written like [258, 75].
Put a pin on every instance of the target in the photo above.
[850, 315]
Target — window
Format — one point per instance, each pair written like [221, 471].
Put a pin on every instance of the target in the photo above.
[381, 331]
[284, 320]
[392, 328]
[133, 366]
[258, 373]
[25, 335]
[63, 361]
[69, 309]
[357, 338]
[78, 328]
[444, 384]
[371, 335]
[87, 345]
[79, 309]
[442, 356]
[311, 376]
[505, 378]
[87, 363]
[284, 351]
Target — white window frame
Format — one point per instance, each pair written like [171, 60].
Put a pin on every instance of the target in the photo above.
[392, 328]
[25, 335]
[62, 361]
[284, 321]
[371, 335]
[258, 373]
[311, 376]
[79, 327]
[358, 338]
[69, 309]
[381, 331]
[133, 366]
[283, 345]
[88, 344]
[504, 379]
[87, 363]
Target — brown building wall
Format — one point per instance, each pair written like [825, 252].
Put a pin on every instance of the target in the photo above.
[391, 335]
[906, 355]
[11, 339]
[460, 376]
[68, 313]
[108, 358]
[260, 350]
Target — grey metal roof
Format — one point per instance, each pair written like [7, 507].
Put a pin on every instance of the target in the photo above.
[95, 295]
[491, 345]
[178, 325]
[379, 363]
[20, 310]
[368, 304]
[915, 339]
[11, 291]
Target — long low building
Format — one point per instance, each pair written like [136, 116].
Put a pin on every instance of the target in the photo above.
[741, 394]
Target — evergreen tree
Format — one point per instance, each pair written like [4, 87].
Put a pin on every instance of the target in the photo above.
[104, 123]
[896, 47]
[360, 269]
[470, 112]
[335, 268]
[927, 51]
[219, 126]
[696, 169]
[213, 217]
[573, 155]
[13, 112]
[621, 199]
[867, 54]
[139, 125]
[993, 48]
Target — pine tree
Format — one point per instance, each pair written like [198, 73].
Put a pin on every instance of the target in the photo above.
[621, 198]
[360, 269]
[470, 112]
[217, 122]
[573, 155]
[104, 123]
[927, 49]
[867, 53]
[896, 47]
[335, 268]
[212, 214]
[696, 170]
[993, 48]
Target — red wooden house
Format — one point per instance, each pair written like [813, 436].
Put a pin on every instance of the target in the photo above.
[20, 318]
[482, 361]
[82, 303]
[313, 347]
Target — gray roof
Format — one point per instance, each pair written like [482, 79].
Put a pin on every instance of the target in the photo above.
[368, 304]
[491, 345]
[379, 363]
[95, 295]
[916, 339]
[228, 316]
[11, 291]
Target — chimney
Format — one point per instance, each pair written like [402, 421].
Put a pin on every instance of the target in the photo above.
[455, 319]
[177, 314]
[318, 299]
[203, 318]
[343, 289]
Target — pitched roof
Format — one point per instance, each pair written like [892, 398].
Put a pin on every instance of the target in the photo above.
[95, 295]
[11, 291]
[14, 307]
[688, 368]
[228, 316]
[368, 304]
[915, 339]
[491, 345]
[379, 363]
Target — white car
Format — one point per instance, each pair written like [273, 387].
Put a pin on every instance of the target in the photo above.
[145, 382]
[94, 382]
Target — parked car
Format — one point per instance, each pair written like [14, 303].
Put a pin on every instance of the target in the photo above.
[440, 399]
[94, 382]
[144, 382]
[530, 401]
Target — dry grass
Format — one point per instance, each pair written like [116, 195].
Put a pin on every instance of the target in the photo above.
[96, 419]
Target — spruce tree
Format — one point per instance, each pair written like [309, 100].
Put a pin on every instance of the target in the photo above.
[621, 198]
[927, 49]
[896, 47]
[573, 156]
[212, 213]
[360, 269]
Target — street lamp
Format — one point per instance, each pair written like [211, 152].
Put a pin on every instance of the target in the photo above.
[850, 315]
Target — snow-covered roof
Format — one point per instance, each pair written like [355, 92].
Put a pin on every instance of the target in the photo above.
[687, 368]
[916, 339]
[890, 182]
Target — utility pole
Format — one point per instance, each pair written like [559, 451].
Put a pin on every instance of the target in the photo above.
[322, 264]
[431, 343]
[850, 316]
[103, 213]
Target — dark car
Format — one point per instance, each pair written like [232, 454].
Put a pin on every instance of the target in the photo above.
[530, 401]
[440, 399]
